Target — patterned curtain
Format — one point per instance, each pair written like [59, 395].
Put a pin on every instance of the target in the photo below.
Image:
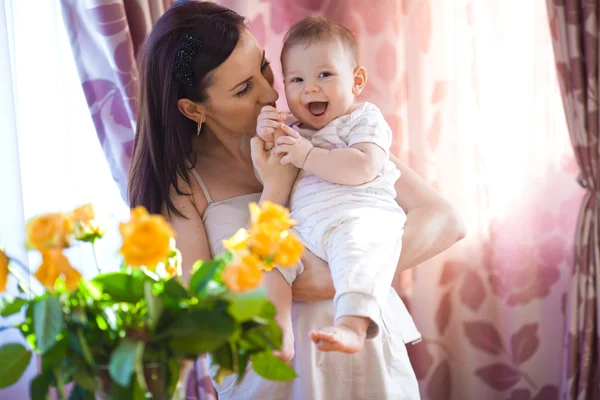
[105, 36]
[574, 26]
[470, 89]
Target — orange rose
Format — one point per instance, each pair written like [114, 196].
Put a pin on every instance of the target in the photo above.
[49, 230]
[264, 240]
[84, 221]
[3, 271]
[289, 251]
[243, 273]
[238, 242]
[272, 213]
[54, 265]
[146, 239]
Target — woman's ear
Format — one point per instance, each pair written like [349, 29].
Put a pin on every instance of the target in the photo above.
[191, 110]
[360, 80]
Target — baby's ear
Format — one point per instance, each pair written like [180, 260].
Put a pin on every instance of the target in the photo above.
[360, 80]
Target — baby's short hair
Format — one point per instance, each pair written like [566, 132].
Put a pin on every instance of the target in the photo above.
[318, 29]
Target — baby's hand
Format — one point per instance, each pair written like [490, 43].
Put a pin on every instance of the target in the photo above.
[294, 146]
[268, 125]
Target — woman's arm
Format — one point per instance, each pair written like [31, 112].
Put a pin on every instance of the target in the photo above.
[432, 226]
[277, 179]
[189, 228]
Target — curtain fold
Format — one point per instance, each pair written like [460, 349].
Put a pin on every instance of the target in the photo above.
[575, 31]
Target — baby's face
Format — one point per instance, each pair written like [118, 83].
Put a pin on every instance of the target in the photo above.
[319, 82]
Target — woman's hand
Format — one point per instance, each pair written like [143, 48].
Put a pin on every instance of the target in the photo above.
[277, 179]
[315, 283]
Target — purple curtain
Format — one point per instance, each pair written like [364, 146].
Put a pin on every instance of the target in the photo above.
[574, 26]
[105, 36]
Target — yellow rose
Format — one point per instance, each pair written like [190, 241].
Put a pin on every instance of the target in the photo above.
[146, 239]
[243, 273]
[238, 242]
[54, 265]
[85, 225]
[271, 213]
[289, 251]
[49, 230]
[264, 239]
[3, 271]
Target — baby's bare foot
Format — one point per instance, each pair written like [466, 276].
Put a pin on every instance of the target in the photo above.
[288, 350]
[338, 338]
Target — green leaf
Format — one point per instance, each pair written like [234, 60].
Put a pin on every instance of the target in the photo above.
[272, 368]
[80, 393]
[84, 379]
[55, 355]
[122, 361]
[139, 369]
[121, 286]
[15, 359]
[245, 306]
[10, 305]
[91, 289]
[48, 322]
[155, 306]
[200, 331]
[223, 357]
[173, 365]
[263, 337]
[243, 359]
[175, 290]
[78, 316]
[38, 388]
[205, 272]
[85, 349]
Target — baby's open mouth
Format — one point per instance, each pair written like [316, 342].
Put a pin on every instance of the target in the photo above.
[318, 108]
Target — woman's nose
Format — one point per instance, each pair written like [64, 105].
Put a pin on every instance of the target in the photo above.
[269, 94]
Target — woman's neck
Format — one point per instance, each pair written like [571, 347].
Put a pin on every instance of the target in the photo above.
[233, 146]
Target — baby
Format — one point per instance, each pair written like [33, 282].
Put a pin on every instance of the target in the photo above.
[344, 197]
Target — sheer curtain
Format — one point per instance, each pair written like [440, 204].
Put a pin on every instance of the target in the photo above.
[50, 156]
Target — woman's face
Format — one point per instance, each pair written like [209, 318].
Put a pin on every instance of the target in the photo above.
[242, 85]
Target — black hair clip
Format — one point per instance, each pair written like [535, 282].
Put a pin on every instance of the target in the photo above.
[182, 68]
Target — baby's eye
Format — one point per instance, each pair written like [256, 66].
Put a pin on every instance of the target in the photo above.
[295, 80]
[324, 74]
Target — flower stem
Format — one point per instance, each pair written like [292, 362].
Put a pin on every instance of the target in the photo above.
[96, 257]
[22, 281]
[60, 386]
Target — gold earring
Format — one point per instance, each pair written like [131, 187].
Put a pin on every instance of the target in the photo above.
[200, 122]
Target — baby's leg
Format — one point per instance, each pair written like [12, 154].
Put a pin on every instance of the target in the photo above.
[362, 263]
[280, 294]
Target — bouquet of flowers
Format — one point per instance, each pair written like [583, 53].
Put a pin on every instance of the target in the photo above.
[129, 334]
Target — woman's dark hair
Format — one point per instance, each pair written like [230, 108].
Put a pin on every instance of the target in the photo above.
[163, 139]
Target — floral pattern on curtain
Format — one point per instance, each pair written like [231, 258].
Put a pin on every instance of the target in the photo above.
[574, 26]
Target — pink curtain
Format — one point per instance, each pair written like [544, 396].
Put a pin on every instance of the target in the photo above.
[470, 90]
[574, 26]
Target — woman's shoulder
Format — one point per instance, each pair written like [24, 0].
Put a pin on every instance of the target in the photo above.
[188, 198]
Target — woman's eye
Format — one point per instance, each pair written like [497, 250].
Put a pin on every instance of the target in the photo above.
[245, 90]
[324, 74]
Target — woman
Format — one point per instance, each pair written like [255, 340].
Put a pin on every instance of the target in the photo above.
[204, 79]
